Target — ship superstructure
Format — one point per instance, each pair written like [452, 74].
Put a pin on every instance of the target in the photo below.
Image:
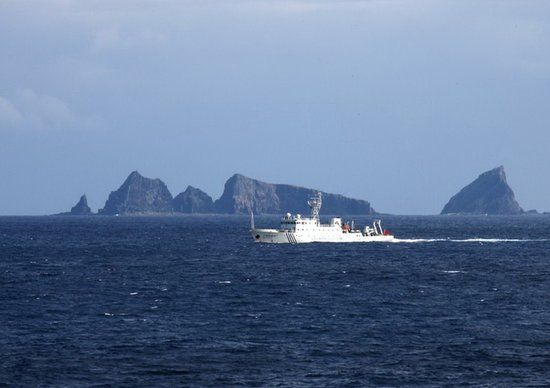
[297, 229]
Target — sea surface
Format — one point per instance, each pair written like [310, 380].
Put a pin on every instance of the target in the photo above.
[192, 301]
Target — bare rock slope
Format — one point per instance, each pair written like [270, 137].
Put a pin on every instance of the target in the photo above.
[139, 194]
[242, 195]
[193, 200]
[488, 194]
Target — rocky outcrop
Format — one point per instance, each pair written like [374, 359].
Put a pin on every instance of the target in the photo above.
[488, 194]
[242, 195]
[193, 200]
[81, 208]
[139, 194]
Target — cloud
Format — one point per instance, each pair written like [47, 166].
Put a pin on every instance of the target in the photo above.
[8, 112]
[28, 110]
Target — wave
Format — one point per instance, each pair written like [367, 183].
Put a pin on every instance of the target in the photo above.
[466, 240]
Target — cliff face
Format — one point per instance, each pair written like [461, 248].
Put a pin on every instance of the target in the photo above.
[488, 194]
[242, 195]
[139, 195]
[81, 208]
[193, 200]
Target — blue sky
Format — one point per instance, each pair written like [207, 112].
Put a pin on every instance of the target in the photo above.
[398, 102]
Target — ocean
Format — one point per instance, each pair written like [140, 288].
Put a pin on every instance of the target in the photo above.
[193, 301]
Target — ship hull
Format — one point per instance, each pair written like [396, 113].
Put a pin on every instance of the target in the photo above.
[274, 236]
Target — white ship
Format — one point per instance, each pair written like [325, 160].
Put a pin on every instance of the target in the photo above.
[296, 229]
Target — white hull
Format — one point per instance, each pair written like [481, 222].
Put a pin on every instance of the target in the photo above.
[297, 237]
[297, 229]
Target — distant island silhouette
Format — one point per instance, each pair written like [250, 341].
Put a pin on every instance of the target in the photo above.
[138, 195]
[242, 195]
[488, 194]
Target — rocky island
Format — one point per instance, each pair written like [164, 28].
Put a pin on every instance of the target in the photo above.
[488, 194]
[80, 209]
[193, 200]
[242, 195]
[139, 195]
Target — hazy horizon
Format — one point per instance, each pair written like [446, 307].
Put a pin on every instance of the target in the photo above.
[401, 103]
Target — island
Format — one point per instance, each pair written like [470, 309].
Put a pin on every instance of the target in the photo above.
[243, 195]
[139, 195]
[488, 194]
[193, 200]
[80, 209]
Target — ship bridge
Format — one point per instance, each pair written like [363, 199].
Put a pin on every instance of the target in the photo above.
[297, 222]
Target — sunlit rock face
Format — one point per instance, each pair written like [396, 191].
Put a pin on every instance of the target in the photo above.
[242, 195]
[81, 208]
[193, 200]
[139, 194]
[488, 194]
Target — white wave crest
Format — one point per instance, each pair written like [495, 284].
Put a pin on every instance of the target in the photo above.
[466, 240]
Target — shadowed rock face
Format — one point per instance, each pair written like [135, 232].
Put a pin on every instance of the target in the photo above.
[81, 208]
[193, 200]
[488, 194]
[139, 195]
[242, 195]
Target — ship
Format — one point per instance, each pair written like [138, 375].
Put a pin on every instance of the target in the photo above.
[296, 229]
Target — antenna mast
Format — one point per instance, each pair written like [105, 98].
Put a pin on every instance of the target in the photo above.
[315, 203]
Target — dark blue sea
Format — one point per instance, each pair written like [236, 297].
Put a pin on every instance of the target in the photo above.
[192, 301]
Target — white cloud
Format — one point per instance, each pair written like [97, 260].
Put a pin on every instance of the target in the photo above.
[42, 111]
[28, 110]
[48, 109]
[8, 112]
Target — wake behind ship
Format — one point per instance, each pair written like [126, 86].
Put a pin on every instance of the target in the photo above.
[296, 229]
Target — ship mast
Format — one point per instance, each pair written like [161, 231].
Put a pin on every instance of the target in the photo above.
[315, 203]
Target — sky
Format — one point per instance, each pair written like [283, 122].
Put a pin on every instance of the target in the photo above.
[401, 103]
